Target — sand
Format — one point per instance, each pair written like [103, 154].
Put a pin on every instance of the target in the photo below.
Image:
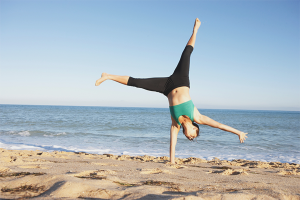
[71, 175]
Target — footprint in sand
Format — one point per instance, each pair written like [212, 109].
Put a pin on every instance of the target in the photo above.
[103, 164]
[154, 171]
[4, 169]
[229, 172]
[93, 173]
[34, 166]
[176, 166]
[289, 172]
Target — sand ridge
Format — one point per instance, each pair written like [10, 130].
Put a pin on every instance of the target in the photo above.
[72, 175]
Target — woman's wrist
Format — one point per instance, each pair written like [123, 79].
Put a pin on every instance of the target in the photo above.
[241, 133]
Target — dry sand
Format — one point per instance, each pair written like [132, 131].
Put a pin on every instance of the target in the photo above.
[69, 175]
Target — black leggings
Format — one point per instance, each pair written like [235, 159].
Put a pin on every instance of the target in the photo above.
[165, 85]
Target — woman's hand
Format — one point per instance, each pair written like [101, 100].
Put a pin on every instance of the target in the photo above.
[242, 137]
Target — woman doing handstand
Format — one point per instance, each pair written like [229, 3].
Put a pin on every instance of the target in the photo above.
[176, 88]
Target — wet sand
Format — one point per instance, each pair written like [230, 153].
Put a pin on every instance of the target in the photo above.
[69, 175]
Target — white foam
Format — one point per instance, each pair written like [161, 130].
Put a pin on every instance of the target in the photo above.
[53, 134]
[20, 147]
[24, 133]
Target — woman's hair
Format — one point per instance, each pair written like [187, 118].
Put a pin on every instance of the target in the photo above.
[198, 133]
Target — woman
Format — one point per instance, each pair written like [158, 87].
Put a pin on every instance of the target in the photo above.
[176, 87]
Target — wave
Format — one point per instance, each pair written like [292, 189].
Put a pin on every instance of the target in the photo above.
[55, 134]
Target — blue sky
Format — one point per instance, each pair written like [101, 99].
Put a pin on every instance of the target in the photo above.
[246, 55]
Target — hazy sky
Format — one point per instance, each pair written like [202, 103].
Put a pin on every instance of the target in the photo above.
[246, 55]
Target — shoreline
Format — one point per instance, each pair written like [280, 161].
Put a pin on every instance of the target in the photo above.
[180, 160]
[75, 175]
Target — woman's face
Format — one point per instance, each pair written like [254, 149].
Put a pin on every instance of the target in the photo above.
[190, 131]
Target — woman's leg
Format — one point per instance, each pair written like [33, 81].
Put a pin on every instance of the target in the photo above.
[151, 84]
[180, 76]
[119, 79]
[183, 66]
[195, 30]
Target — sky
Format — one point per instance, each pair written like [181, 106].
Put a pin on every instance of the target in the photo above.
[246, 56]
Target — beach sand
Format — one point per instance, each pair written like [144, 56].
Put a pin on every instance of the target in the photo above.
[71, 175]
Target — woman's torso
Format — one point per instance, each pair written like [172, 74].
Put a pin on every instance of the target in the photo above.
[179, 95]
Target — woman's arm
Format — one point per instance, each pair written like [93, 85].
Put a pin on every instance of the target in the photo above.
[202, 119]
[173, 139]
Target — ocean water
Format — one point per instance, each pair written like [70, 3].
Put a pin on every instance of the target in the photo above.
[273, 135]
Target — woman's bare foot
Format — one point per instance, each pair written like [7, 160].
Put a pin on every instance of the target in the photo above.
[104, 77]
[197, 25]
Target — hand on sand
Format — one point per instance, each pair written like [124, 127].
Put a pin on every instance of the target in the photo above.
[243, 137]
[104, 77]
[171, 163]
[197, 24]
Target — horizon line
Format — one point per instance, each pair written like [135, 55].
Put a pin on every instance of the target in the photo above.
[149, 107]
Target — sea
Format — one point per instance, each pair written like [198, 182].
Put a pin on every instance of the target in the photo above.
[272, 135]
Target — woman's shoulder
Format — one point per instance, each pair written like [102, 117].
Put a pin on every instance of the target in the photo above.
[197, 115]
[196, 111]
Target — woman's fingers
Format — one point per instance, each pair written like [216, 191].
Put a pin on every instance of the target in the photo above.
[243, 137]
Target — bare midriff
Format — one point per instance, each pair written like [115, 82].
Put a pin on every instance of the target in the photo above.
[179, 95]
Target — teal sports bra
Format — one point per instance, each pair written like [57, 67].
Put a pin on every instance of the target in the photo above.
[186, 108]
